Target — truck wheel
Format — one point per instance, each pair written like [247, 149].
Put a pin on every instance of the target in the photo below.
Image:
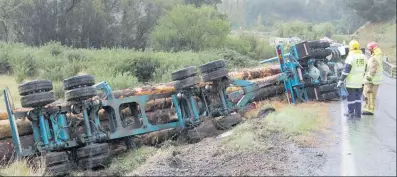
[326, 88]
[92, 150]
[58, 170]
[328, 96]
[56, 163]
[184, 73]
[55, 158]
[215, 75]
[94, 162]
[37, 99]
[186, 83]
[78, 81]
[319, 53]
[227, 122]
[265, 112]
[208, 67]
[34, 87]
[94, 155]
[207, 128]
[79, 94]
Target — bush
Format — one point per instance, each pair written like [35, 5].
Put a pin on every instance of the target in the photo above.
[188, 28]
[237, 60]
[305, 31]
[142, 68]
[253, 46]
[5, 67]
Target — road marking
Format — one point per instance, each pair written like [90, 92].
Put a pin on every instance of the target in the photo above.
[348, 168]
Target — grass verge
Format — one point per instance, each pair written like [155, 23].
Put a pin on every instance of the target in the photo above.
[20, 168]
[123, 163]
[11, 83]
[296, 122]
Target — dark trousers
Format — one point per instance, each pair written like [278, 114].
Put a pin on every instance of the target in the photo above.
[354, 100]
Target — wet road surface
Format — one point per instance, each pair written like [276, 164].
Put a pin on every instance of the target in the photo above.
[365, 146]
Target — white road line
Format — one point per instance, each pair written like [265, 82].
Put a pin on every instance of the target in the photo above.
[347, 168]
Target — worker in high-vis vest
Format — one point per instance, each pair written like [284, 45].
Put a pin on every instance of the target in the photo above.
[353, 74]
[373, 78]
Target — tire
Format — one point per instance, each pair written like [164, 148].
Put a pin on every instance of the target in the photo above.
[58, 170]
[78, 81]
[325, 44]
[328, 96]
[206, 129]
[319, 53]
[35, 87]
[92, 150]
[265, 112]
[186, 83]
[208, 67]
[55, 158]
[327, 88]
[93, 162]
[215, 75]
[184, 73]
[227, 122]
[318, 44]
[37, 99]
[79, 94]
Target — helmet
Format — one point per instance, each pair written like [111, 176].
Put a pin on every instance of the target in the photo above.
[372, 46]
[354, 45]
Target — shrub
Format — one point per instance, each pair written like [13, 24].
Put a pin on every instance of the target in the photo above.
[253, 46]
[144, 68]
[188, 28]
[235, 59]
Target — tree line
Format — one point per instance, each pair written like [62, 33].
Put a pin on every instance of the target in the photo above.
[135, 23]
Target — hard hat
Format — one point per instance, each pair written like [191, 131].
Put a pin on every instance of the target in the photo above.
[354, 45]
[372, 45]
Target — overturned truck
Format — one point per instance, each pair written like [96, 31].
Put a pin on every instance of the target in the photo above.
[79, 129]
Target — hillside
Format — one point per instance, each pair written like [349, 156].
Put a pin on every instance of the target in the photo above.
[383, 33]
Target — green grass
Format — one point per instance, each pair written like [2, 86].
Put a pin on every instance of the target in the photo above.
[10, 82]
[384, 34]
[124, 163]
[131, 160]
[20, 168]
[121, 68]
[296, 122]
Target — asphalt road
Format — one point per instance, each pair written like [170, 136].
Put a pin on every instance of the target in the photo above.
[366, 146]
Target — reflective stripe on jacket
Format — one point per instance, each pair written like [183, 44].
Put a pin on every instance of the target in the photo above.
[375, 67]
[355, 78]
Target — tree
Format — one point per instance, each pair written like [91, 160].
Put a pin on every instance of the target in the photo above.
[188, 28]
[373, 10]
[199, 3]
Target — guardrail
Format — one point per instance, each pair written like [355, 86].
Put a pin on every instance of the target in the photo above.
[389, 69]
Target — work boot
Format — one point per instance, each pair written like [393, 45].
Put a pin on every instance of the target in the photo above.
[368, 113]
[349, 115]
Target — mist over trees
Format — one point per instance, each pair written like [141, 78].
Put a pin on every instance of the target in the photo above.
[130, 23]
[345, 15]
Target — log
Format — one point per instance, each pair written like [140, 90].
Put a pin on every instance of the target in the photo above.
[262, 82]
[262, 93]
[24, 128]
[167, 88]
[250, 74]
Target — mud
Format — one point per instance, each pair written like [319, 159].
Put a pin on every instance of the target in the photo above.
[209, 158]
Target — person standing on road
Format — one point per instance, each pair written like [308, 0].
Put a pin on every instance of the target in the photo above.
[372, 78]
[353, 73]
